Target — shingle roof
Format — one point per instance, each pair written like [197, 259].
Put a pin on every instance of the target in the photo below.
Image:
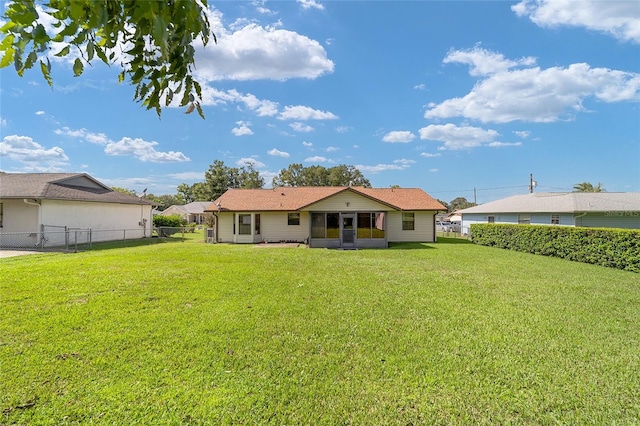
[296, 198]
[196, 207]
[561, 202]
[62, 186]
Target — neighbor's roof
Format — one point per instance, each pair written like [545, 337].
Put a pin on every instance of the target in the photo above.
[561, 202]
[62, 186]
[196, 206]
[296, 198]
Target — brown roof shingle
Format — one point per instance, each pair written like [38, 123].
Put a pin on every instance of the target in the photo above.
[296, 198]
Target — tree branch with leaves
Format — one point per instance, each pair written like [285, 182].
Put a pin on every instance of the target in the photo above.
[151, 40]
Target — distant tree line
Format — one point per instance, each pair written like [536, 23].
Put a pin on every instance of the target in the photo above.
[220, 177]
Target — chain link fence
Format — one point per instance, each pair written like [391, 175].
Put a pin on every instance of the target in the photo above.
[61, 238]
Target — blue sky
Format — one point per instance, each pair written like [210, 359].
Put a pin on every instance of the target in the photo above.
[446, 96]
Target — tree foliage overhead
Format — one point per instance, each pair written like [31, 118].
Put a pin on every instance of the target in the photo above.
[460, 203]
[151, 40]
[298, 175]
[588, 187]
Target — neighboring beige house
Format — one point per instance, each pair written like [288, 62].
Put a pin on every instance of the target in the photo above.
[32, 204]
[192, 212]
[333, 217]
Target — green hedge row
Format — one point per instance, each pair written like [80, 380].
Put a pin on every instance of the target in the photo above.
[614, 248]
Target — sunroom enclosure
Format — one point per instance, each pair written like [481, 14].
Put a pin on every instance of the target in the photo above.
[318, 229]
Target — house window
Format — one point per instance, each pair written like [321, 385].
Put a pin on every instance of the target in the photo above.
[293, 218]
[491, 219]
[408, 221]
[524, 219]
[555, 219]
[245, 224]
[257, 224]
[364, 225]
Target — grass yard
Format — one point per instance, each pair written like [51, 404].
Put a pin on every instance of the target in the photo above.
[194, 333]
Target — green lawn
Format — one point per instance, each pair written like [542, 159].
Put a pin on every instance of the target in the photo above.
[194, 333]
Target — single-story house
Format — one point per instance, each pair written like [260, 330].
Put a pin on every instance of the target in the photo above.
[333, 217]
[192, 212]
[591, 209]
[35, 207]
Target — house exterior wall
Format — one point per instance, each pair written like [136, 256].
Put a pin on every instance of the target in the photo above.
[338, 203]
[424, 227]
[18, 216]
[613, 219]
[273, 228]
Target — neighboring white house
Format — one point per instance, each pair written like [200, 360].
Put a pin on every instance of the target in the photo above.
[334, 217]
[591, 209]
[32, 204]
[192, 212]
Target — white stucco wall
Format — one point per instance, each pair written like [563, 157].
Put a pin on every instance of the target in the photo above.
[17, 216]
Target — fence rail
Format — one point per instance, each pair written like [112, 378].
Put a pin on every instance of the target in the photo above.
[63, 238]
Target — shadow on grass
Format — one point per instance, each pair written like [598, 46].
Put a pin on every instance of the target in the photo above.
[108, 245]
[422, 246]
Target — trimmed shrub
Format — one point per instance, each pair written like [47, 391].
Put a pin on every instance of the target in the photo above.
[614, 248]
[168, 225]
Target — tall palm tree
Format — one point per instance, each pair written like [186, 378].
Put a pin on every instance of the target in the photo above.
[588, 187]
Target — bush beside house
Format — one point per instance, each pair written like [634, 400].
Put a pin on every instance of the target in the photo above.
[615, 248]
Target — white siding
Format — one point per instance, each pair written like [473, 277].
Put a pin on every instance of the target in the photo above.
[338, 203]
[423, 232]
[611, 220]
[273, 228]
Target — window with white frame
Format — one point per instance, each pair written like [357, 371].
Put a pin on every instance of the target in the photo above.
[555, 219]
[293, 219]
[408, 221]
[244, 221]
[491, 219]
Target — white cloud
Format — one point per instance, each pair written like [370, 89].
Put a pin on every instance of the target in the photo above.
[143, 151]
[316, 159]
[262, 107]
[307, 144]
[404, 162]
[309, 4]
[250, 160]
[620, 19]
[242, 129]
[484, 62]
[420, 86]
[96, 138]
[300, 112]
[429, 155]
[524, 134]
[538, 95]
[33, 155]
[502, 144]
[254, 52]
[188, 176]
[380, 168]
[343, 129]
[458, 137]
[301, 127]
[278, 153]
[433, 170]
[332, 149]
[399, 136]
[40, 113]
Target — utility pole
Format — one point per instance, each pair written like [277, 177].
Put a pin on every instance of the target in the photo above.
[475, 201]
[532, 183]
